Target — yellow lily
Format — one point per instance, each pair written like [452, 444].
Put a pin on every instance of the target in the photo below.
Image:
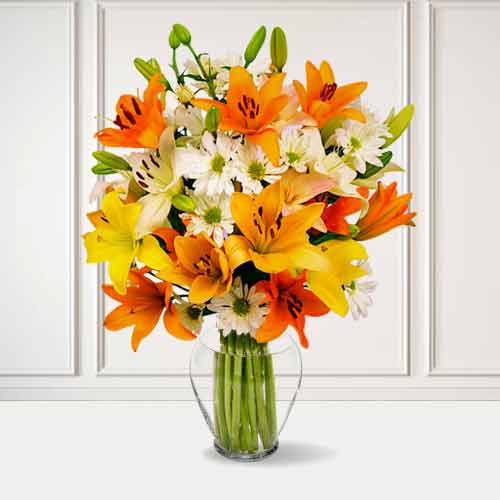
[273, 242]
[114, 239]
[328, 285]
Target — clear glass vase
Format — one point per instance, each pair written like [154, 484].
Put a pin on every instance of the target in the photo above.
[245, 390]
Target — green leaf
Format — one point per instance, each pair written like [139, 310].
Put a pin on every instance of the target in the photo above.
[111, 160]
[101, 169]
[371, 169]
[397, 124]
[175, 221]
[316, 240]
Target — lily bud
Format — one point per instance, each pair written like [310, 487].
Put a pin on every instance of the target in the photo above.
[101, 169]
[398, 123]
[184, 94]
[150, 68]
[279, 50]
[254, 45]
[182, 34]
[183, 203]
[144, 68]
[212, 119]
[173, 41]
[155, 65]
[110, 160]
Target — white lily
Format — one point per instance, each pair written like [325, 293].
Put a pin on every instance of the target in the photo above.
[155, 172]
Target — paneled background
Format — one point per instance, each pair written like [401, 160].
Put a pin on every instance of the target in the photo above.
[432, 333]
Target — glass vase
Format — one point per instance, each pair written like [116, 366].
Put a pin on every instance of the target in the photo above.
[245, 390]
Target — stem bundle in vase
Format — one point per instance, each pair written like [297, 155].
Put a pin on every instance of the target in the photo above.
[244, 395]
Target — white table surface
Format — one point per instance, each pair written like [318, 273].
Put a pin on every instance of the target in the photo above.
[360, 450]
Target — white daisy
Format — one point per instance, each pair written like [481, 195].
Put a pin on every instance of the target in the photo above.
[361, 142]
[211, 165]
[358, 294]
[240, 310]
[301, 148]
[252, 167]
[191, 315]
[212, 215]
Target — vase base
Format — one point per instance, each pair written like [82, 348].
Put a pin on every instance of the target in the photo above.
[245, 457]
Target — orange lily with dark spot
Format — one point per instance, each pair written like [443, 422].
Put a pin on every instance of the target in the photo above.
[289, 304]
[334, 215]
[142, 307]
[200, 265]
[324, 99]
[140, 122]
[250, 110]
[386, 211]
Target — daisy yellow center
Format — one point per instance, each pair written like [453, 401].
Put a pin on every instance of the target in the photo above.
[293, 157]
[241, 307]
[212, 215]
[256, 170]
[355, 143]
[218, 163]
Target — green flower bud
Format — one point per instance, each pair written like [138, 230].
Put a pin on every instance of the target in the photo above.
[212, 119]
[150, 68]
[111, 160]
[155, 65]
[182, 34]
[183, 203]
[101, 169]
[144, 68]
[173, 41]
[279, 51]
[254, 45]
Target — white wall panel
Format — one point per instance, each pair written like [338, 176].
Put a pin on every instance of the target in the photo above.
[466, 175]
[364, 41]
[38, 169]
[434, 311]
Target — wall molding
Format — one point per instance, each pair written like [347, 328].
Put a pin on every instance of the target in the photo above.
[403, 7]
[433, 7]
[73, 242]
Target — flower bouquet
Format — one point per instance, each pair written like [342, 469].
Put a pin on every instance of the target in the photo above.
[244, 199]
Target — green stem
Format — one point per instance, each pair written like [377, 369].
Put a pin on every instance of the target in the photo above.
[208, 78]
[220, 415]
[247, 441]
[259, 398]
[270, 394]
[236, 406]
[250, 394]
[227, 381]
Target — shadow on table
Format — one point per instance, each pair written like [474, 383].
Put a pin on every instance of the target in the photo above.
[288, 453]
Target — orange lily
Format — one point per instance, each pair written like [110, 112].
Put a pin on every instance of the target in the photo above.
[200, 265]
[289, 304]
[324, 99]
[273, 242]
[250, 110]
[334, 215]
[140, 122]
[386, 211]
[142, 307]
